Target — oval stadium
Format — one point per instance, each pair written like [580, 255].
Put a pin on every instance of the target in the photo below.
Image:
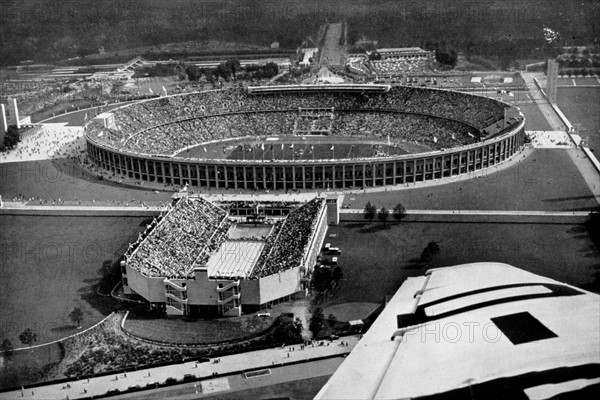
[295, 137]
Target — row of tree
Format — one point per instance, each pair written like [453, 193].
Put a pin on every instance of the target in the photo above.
[370, 211]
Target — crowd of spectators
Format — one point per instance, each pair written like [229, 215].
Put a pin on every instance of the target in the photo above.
[436, 133]
[171, 123]
[400, 66]
[48, 141]
[253, 204]
[286, 245]
[186, 236]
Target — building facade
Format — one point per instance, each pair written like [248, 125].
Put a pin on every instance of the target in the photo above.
[311, 174]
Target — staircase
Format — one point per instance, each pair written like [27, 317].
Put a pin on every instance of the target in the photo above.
[229, 299]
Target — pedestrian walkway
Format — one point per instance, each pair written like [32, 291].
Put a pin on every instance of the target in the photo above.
[545, 107]
[551, 140]
[268, 358]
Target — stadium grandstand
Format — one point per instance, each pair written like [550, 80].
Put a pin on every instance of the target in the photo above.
[145, 140]
[477, 331]
[205, 259]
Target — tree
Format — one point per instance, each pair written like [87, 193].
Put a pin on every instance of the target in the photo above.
[337, 274]
[316, 321]
[370, 211]
[429, 252]
[383, 215]
[193, 73]
[27, 337]
[234, 66]
[321, 280]
[12, 137]
[445, 55]
[7, 348]
[374, 56]
[224, 71]
[76, 316]
[287, 328]
[399, 212]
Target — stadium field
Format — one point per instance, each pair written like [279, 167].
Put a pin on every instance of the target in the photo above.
[300, 148]
[50, 265]
[372, 271]
[582, 106]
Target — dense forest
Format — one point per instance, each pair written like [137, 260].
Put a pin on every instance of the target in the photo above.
[49, 31]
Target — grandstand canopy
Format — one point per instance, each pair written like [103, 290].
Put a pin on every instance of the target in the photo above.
[482, 330]
[341, 87]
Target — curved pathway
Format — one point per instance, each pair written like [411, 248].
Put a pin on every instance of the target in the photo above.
[268, 358]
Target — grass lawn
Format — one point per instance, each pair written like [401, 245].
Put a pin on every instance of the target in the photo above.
[343, 148]
[49, 265]
[65, 180]
[175, 330]
[546, 181]
[375, 261]
[27, 366]
[350, 311]
[582, 106]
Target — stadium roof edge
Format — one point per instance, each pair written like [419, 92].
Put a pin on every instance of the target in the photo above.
[346, 87]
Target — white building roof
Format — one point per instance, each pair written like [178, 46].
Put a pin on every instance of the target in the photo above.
[475, 328]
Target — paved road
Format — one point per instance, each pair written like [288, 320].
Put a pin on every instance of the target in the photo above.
[331, 53]
[238, 382]
[234, 363]
[545, 107]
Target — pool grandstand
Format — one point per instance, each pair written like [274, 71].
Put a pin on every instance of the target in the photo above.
[459, 133]
[198, 259]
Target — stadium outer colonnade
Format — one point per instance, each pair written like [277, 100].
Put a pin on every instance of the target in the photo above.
[310, 174]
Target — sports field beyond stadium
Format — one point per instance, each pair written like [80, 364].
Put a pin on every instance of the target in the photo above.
[582, 107]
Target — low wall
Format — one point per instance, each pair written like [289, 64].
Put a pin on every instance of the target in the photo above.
[467, 216]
